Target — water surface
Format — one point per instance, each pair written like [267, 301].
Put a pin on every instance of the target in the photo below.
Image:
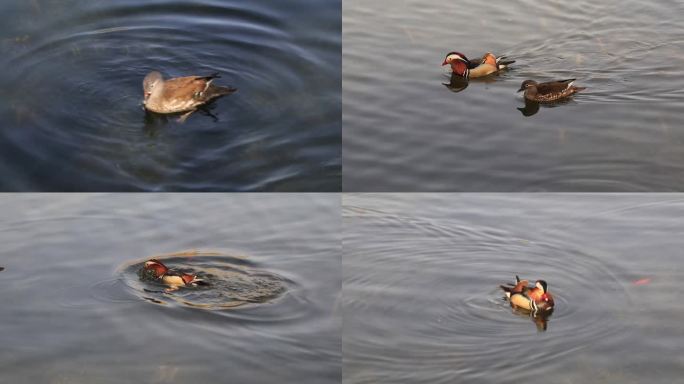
[422, 304]
[71, 91]
[404, 130]
[74, 311]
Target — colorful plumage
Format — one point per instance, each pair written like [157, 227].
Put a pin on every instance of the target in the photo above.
[532, 298]
[155, 270]
[488, 64]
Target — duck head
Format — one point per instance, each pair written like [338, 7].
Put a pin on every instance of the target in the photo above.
[527, 84]
[545, 300]
[156, 267]
[152, 80]
[459, 63]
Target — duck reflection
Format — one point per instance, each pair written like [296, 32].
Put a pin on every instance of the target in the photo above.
[456, 83]
[540, 319]
[459, 83]
[531, 108]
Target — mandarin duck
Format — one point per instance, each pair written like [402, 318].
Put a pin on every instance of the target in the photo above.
[180, 94]
[155, 270]
[488, 64]
[535, 299]
[549, 92]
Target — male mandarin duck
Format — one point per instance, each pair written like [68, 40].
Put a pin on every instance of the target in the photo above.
[156, 270]
[488, 64]
[534, 299]
[180, 94]
[549, 92]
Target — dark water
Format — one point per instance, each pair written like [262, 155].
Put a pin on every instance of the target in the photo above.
[70, 95]
[404, 130]
[422, 305]
[73, 310]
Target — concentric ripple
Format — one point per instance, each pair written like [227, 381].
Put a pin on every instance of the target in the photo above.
[230, 282]
[73, 91]
[432, 289]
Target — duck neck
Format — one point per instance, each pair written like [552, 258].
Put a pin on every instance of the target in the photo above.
[460, 68]
[155, 95]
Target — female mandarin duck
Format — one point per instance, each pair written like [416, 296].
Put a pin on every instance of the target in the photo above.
[535, 299]
[549, 92]
[156, 270]
[461, 66]
[181, 94]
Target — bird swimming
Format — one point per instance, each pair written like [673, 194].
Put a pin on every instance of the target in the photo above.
[550, 91]
[155, 270]
[180, 94]
[532, 298]
[488, 64]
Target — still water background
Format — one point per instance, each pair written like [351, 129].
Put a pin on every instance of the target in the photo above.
[71, 90]
[70, 314]
[422, 304]
[404, 130]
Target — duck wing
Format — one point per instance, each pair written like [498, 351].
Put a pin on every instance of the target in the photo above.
[554, 87]
[186, 88]
[521, 286]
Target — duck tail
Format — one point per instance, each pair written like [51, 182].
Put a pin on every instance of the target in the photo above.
[504, 62]
[507, 290]
[214, 75]
[218, 91]
[225, 90]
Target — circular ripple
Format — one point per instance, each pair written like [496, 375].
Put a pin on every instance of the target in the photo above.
[231, 282]
[74, 92]
[471, 325]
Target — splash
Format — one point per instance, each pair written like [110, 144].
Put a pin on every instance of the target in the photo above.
[228, 281]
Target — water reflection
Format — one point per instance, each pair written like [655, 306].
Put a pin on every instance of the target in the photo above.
[612, 149]
[532, 107]
[452, 319]
[456, 83]
[540, 319]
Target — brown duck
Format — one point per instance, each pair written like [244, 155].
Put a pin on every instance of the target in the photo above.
[549, 92]
[181, 94]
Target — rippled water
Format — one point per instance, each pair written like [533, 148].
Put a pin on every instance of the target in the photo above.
[405, 131]
[74, 310]
[223, 281]
[422, 304]
[71, 92]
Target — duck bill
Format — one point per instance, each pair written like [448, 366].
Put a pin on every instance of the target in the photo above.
[520, 90]
[444, 63]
